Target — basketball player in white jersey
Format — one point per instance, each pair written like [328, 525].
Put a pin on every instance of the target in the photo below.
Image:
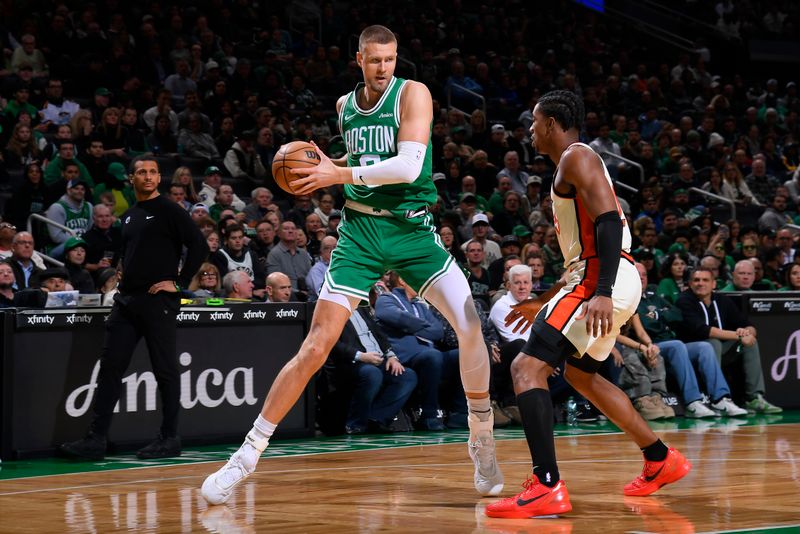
[579, 324]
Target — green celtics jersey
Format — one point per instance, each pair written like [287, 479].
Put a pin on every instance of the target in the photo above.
[370, 137]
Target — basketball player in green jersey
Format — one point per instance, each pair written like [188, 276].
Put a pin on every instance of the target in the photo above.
[386, 123]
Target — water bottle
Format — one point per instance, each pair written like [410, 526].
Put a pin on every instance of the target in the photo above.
[572, 412]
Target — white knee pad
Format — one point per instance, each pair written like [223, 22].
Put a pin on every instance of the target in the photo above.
[341, 299]
[450, 295]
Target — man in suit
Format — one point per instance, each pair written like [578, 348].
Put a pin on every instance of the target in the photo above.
[413, 330]
[363, 360]
[21, 260]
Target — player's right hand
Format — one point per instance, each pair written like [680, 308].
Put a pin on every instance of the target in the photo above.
[325, 174]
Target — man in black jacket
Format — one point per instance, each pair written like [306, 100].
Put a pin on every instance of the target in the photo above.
[363, 360]
[712, 317]
[154, 233]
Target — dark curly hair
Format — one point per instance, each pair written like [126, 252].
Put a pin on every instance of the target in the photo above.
[565, 107]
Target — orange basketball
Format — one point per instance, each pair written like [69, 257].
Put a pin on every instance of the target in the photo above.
[294, 155]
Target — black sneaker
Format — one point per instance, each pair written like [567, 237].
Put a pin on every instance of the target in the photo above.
[92, 447]
[585, 413]
[161, 448]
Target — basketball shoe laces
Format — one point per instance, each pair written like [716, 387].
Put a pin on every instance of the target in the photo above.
[650, 470]
[485, 455]
[531, 484]
[238, 467]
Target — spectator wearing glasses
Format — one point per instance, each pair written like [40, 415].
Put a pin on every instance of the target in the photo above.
[22, 259]
[206, 282]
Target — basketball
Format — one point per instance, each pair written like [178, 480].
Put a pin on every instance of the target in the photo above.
[294, 155]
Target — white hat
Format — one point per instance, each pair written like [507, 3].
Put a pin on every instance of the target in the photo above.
[715, 139]
[479, 218]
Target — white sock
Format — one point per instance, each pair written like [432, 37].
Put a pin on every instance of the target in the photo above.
[259, 436]
[482, 408]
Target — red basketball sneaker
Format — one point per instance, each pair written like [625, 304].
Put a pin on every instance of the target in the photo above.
[536, 500]
[656, 474]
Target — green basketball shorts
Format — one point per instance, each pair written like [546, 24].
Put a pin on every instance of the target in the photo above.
[370, 245]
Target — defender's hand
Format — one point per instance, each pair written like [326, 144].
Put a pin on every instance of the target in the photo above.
[523, 313]
[599, 314]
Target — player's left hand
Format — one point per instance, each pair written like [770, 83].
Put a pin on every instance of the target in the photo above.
[599, 314]
[323, 175]
[166, 285]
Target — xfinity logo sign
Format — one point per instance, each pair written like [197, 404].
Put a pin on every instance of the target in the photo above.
[280, 314]
[208, 388]
[761, 306]
[780, 367]
[255, 314]
[183, 317]
[75, 318]
[791, 305]
[221, 316]
[40, 319]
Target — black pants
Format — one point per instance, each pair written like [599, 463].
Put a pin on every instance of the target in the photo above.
[502, 383]
[133, 317]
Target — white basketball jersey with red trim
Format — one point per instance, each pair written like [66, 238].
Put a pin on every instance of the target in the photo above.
[575, 229]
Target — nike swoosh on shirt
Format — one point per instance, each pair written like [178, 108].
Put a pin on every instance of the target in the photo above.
[148, 217]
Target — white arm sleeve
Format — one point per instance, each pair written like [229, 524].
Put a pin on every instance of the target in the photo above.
[402, 168]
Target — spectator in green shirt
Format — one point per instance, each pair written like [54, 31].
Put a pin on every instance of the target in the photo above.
[743, 277]
[674, 277]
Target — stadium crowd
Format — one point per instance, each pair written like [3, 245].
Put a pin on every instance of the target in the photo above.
[214, 89]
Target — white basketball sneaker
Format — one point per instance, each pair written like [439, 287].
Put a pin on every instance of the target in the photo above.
[488, 478]
[725, 406]
[218, 487]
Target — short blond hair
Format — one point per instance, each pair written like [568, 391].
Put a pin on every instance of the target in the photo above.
[375, 34]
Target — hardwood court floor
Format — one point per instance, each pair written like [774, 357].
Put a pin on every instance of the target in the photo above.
[744, 478]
